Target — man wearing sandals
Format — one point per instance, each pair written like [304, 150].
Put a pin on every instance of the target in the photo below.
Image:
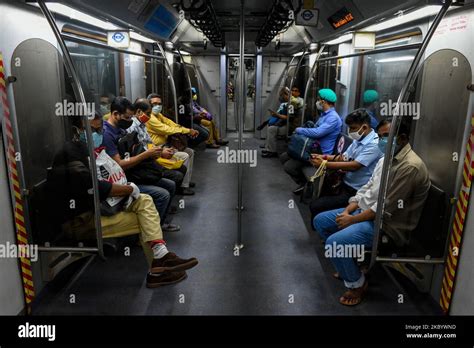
[353, 226]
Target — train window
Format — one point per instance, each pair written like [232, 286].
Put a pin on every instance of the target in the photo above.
[54, 155]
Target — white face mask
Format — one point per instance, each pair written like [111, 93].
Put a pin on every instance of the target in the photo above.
[355, 135]
[319, 105]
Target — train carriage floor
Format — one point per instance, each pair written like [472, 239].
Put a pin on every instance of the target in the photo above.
[280, 271]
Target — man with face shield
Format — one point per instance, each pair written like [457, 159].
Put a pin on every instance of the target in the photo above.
[129, 212]
[325, 133]
[354, 224]
[162, 192]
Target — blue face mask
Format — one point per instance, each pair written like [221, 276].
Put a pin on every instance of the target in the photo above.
[96, 138]
[156, 109]
[383, 144]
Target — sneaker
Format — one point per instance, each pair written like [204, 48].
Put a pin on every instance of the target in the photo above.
[167, 278]
[172, 263]
[212, 146]
[186, 191]
[267, 154]
[222, 142]
[299, 190]
[167, 227]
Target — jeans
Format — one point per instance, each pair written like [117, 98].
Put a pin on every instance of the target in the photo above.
[202, 137]
[324, 203]
[355, 236]
[161, 196]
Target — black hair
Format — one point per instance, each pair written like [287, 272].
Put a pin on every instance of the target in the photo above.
[296, 87]
[153, 95]
[121, 105]
[142, 104]
[381, 124]
[404, 129]
[359, 116]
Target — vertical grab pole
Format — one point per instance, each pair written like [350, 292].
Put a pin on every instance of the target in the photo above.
[79, 94]
[170, 78]
[238, 244]
[389, 151]
[310, 79]
[290, 109]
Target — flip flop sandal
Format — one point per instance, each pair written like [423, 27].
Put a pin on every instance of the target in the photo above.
[349, 296]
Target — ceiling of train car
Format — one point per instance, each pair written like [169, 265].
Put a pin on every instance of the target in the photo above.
[228, 15]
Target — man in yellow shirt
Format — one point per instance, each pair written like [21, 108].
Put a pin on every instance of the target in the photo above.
[159, 127]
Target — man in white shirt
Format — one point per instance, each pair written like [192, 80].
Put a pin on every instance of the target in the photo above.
[353, 226]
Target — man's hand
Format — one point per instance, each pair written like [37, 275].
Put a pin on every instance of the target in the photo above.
[316, 161]
[136, 191]
[167, 153]
[154, 152]
[193, 133]
[344, 220]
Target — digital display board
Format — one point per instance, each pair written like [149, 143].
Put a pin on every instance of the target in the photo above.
[341, 18]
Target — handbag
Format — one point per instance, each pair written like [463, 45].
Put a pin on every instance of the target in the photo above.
[179, 141]
[332, 183]
[300, 147]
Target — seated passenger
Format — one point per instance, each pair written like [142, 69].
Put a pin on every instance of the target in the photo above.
[104, 103]
[136, 213]
[143, 114]
[276, 125]
[354, 225]
[298, 103]
[207, 121]
[358, 162]
[188, 119]
[114, 128]
[159, 127]
[325, 132]
[371, 97]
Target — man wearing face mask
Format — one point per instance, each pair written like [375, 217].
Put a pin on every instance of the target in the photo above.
[325, 132]
[214, 141]
[70, 179]
[159, 127]
[121, 113]
[370, 99]
[358, 162]
[181, 176]
[353, 225]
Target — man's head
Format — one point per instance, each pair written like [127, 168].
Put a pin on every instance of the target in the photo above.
[96, 127]
[284, 95]
[403, 137]
[326, 99]
[358, 123]
[156, 103]
[370, 98]
[383, 130]
[142, 110]
[121, 112]
[295, 92]
[104, 103]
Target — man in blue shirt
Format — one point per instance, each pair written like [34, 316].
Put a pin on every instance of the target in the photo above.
[370, 98]
[358, 162]
[325, 132]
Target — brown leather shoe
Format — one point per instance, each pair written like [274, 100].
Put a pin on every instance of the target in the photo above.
[167, 278]
[172, 263]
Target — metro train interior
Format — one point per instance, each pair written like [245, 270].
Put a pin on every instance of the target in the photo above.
[225, 94]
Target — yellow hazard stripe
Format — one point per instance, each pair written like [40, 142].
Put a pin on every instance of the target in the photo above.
[28, 286]
[449, 275]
